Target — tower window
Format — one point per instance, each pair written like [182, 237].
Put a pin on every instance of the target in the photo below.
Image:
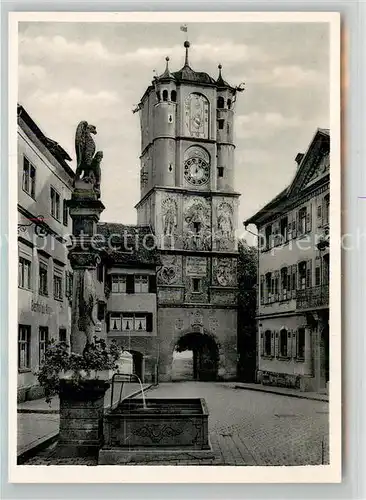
[220, 102]
[174, 96]
[158, 96]
[196, 283]
[229, 103]
[221, 124]
[165, 95]
[220, 171]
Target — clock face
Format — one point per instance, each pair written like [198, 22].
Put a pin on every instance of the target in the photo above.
[196, 171]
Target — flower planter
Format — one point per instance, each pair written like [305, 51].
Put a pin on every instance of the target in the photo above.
[81, 417]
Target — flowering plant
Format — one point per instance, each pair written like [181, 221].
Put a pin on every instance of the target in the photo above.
[97, 356]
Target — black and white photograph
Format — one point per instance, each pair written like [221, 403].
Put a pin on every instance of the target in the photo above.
[176, 185]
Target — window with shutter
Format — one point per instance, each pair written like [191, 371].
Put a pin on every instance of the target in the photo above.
[152, 284]
[289, 282]
[294, 343]
[267, 342]
[308, 218]
[289, 230]
[309, 274]
[294, 281]
[262, 346]
[273, 348]
[276, 344]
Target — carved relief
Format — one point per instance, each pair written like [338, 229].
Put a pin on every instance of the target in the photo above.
[196, 317]
[225, 226]
[196, 266]
[170, 214]
[224, 272]
[197, 225]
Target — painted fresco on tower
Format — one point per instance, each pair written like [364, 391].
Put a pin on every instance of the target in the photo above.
[225, 230]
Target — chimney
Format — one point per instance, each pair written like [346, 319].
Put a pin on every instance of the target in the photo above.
[299, 158]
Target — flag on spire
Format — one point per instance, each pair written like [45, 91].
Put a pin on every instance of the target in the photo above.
[184, 28]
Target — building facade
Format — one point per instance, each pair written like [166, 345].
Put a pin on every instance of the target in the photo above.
[44, 275]
[126, 289]
[188, 199]
[293, 298]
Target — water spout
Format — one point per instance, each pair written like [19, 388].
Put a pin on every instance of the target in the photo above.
[142, 390]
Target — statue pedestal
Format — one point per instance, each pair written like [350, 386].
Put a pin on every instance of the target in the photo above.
[81, 417]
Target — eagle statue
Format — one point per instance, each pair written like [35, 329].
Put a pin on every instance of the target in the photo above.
[85, 147]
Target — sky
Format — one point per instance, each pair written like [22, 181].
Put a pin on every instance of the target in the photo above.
[98, 72]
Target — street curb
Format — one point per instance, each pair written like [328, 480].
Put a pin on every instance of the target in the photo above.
[324, 398]
[46, 441]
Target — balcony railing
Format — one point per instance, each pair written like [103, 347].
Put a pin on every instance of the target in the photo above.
[318, 296]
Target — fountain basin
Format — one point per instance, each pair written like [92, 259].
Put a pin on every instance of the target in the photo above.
[165, 429]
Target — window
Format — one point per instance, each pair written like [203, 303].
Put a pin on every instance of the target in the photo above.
[268, 286]
[302, 275]
[229, 103]
[220, 102]
[24, 339]
[284, 229]
[55, 204]
[130, 322]
[24, 274]
[43, 279]
[174, 96]
[65, 213]
[43, 340]
[62, 335]
[57, 286]
[29, 178]
[196, 285]
[118, 284]
[141, 284]
[284, 282]
[127, 323]
[220, 171]
[165, 95]
[308, 274]
[300, 343]
[140, 322]
[221, 124]
[302, 220]
[158, 96]
[267, 343]
[268, 237]
[115, 323]
[326, 209]
[283, 343]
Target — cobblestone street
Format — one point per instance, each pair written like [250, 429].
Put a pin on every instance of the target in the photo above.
[251, 428]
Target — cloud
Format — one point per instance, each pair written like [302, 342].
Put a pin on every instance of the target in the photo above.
[76, 97]
[286, 76]
[255, 124]
[59, 49]
[31, 73]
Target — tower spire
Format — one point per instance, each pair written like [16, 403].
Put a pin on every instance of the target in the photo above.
[186, 45]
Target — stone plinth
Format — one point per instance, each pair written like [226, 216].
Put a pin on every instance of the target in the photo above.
[81, 417]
